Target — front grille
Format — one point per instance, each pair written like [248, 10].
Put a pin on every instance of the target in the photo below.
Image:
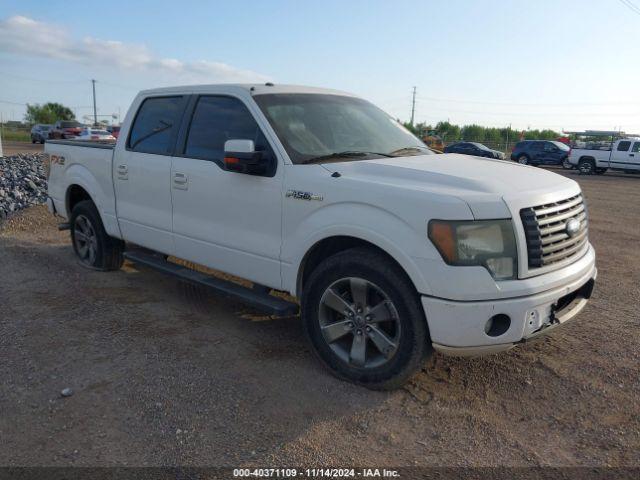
[545, 228]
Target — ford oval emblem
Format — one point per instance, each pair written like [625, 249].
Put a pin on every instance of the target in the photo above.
[572, 226]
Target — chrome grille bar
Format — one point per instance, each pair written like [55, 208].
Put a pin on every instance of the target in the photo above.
[548, 239]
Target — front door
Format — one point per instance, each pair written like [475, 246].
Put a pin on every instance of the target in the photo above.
[225, 220]
[141, 173]
[626, 155]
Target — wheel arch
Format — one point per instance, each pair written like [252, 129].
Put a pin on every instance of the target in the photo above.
[76, 193]
[588, 158]
[334, 244]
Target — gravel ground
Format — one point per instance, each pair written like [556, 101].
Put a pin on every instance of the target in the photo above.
[162, 374]
[22, 182]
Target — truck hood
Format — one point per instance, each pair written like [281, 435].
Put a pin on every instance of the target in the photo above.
[486, 185]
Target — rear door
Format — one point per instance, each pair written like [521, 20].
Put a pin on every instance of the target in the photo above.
[142, 170]
[226, 220]
[537, 152]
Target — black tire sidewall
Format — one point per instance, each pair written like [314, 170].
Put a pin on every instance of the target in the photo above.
[591, 165]
[88, 209]
[414, 345]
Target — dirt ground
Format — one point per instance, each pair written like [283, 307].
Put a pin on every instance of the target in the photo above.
[164, 374]
[14, 148]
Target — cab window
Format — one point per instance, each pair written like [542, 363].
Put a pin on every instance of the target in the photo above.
[217, 119]
[156, 125]
[623, 146]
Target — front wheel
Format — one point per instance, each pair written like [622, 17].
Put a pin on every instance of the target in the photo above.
[91, 243]
[364, 320]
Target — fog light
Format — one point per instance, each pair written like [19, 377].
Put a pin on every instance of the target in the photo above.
[497, 325]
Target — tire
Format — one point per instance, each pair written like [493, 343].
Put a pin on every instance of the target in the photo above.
[523, 160]
[33, 140]
[566, 165]
[93, 247]
[586, 167]
[396, 348]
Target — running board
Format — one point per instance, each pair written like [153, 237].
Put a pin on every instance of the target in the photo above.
[257, 298]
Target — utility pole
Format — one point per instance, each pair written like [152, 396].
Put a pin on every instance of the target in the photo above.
[508, 130]
[95, 114]
[413, 105]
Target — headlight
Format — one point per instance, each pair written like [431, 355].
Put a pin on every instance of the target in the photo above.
[487, 243]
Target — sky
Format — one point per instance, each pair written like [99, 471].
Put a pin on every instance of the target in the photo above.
[560, 64]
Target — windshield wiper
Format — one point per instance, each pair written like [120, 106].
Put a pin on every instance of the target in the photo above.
[345, 154]
[400, 151]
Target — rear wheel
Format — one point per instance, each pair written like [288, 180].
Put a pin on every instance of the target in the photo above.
[523, 160]
[94, 248]
[364, 319]
[586, 167]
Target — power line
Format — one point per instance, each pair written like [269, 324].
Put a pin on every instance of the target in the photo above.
[511, 104]
[631, 6]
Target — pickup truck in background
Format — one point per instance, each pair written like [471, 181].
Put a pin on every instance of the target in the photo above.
[393, 252]
[621, 155]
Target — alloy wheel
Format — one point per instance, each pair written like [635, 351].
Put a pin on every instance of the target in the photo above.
[359, 323]
[85, 240]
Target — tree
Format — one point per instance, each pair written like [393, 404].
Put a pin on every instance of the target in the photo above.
[48, 113]
[448, 131]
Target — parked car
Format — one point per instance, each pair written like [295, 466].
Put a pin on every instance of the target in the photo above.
[541, 152]
[473, 148]
[392, 251]
[89, 133]
[114, 130]
[40, 132]
[65, 129]
[622, 155]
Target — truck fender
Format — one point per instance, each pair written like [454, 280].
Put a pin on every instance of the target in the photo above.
[78, 174]
[331, 221]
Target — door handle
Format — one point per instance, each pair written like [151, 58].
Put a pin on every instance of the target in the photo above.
[631, 155]
[180, 181]
[123, 172]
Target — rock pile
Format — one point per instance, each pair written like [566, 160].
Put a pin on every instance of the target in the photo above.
[22, 182]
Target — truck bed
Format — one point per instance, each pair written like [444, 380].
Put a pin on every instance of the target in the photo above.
[86, 165]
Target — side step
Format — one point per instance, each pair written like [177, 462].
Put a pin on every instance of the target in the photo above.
[257, 298]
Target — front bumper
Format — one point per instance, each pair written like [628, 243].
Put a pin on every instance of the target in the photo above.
[462, 328]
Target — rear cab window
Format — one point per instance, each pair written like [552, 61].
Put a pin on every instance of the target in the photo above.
[623, 146]
[156, 125]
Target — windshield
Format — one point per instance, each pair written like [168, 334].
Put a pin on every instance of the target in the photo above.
[562, 146]
[335, 127]
[481, 146]
[70, 124]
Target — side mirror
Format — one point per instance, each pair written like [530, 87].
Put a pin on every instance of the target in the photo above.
[241, 156]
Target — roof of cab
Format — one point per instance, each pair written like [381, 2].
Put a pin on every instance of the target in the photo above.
[253, 89]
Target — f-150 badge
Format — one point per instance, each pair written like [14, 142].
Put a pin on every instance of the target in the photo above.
[297, 194]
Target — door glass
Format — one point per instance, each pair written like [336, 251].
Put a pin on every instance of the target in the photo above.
[216, 120]
[156, 124]
[636, 147]
[623, 146]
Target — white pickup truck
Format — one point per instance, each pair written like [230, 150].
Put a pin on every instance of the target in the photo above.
[621, 155]
[391, 250]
